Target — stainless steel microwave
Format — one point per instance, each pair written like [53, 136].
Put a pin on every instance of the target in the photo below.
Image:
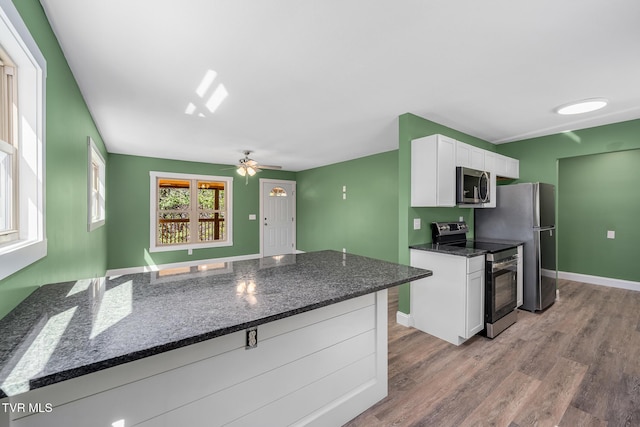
[472, 186]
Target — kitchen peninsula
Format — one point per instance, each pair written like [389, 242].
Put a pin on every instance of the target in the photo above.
[291, 339]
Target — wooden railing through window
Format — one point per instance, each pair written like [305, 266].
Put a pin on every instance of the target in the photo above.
[176, 231]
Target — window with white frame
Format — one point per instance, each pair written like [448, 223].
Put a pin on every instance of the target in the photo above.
[8, 151]
[190, 211]
[95, 187]
[22, 117]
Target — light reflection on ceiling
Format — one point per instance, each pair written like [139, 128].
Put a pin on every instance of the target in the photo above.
[214, 100]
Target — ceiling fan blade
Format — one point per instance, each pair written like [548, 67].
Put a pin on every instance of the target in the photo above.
[270, 167]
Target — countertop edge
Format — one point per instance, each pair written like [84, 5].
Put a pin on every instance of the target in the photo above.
[61, 376]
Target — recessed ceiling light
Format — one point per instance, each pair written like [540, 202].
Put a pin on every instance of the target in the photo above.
[584, 106]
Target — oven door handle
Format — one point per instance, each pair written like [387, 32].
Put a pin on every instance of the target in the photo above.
[504, 264]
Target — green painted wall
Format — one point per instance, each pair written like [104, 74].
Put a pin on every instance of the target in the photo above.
[128, 210]
[365, 222]
[412, 127]
[599, 193]
[538, 156]
[544, 159]
[73, 253]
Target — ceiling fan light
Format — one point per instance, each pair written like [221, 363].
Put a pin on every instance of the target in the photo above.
[584, 106]
[242, 171]
[251, 171]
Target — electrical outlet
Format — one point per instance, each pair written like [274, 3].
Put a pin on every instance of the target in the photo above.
[252, 338]
[417, 225]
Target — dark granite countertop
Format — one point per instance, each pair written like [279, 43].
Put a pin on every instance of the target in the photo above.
[65, 330]
[470, 249]
[449, 249]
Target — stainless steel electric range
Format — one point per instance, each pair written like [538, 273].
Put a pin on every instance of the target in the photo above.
[501, 272]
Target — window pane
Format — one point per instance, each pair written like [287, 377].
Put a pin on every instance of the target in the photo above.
[211, 226]
[278, 192]
[173, 227]
[210, 195]
[96, 187]
[95, 192]
[173, 194]
[5, 191]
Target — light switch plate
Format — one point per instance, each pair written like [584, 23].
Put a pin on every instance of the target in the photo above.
[417, 225]
[611, 234]
[252, 217]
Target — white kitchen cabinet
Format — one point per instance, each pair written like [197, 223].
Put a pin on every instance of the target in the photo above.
[489, 161]
[513, 168]
[507, 167]
[449, 304]
[433, 171]
[469, 156]
[474, 302]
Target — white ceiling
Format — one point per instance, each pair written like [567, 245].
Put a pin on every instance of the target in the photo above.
[312, 83]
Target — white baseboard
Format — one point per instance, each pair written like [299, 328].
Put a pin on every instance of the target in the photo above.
[602, 281]
[148, 268]
[547, 273]
[404, 319]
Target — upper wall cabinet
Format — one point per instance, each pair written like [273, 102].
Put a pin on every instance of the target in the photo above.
[469, 156]
[507, 167]
[433, 171]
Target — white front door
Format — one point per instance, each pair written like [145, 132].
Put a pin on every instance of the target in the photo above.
[278, 217]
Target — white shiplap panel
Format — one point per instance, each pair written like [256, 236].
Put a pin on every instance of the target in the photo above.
[282, 384]
[150, 398]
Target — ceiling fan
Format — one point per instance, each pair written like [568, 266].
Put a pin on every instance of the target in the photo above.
[248, 167]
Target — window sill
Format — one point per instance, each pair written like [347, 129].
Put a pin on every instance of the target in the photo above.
[17, 255]
[97, 224]
[189, 246]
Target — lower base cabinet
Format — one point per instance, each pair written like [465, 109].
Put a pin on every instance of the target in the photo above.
[322, 367]
[449, 304]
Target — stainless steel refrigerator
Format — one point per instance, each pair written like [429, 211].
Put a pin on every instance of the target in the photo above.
[526, 212]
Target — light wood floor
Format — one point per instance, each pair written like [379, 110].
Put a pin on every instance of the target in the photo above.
[576, 364]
